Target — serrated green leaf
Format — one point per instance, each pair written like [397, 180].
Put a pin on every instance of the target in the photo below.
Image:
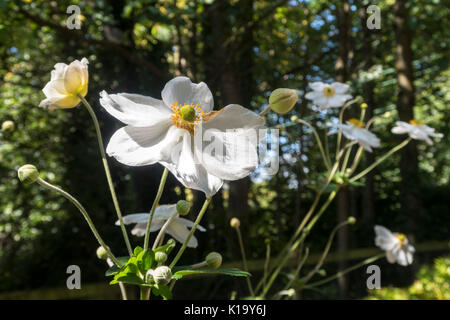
[229, 272]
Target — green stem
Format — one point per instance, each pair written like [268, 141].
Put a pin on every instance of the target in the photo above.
[319, 142]
[341, 273]
[191, 233]
[381, 159]
[266, 264]
[163, 230]
[85, 215]
[244, 259]
[162, 183]
[299, 241]
[145, 293]
[325, 252]
[108, 174]
[298, 269]
[123, 291]
[265, 111]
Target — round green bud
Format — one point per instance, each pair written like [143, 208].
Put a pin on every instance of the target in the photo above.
[162, 275]
[28, 174]
[322, 272]
[294, 118]
[351, 220]
[101, 253]
[235, 223]
[8, 126]
[363, 105]
[187, 113]
[214, 260]
[160, 257]
[183, 207]
[282, 100]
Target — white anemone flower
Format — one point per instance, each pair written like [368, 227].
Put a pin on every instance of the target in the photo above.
[178, 227]
[416, 130]
[354, 130]
[327, 96]
[397, 247]
[66, 83]
[171, 132]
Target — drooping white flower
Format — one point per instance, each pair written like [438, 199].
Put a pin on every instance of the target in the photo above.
[172, 131]
[327, 96]
[178, 227]
[354, 130]
[416, 130]
[398, 250]
[66, 82]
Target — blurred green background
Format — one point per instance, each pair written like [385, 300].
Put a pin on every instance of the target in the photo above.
[243, 50]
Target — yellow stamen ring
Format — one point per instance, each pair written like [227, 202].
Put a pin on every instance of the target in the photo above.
[328, 91]
[356, 122]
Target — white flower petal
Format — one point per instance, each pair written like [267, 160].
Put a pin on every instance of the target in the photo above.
[385, 239]
[190, 224]
[135, 110]
[165, 211]
[340, 87]
[234, 134]
[180, 233]
[135, 146]
[182, 91]
[317, 86]
[189, 171]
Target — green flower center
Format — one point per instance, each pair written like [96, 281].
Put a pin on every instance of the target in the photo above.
[188, 113]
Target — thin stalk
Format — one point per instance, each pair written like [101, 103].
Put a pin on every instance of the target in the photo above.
[85, 215]
[381, 159]
[325, 252]
[107, 172]
[341, 273]
[341, 120]
[145, 293]
[319, 142]
[298, 269]
[163, 230]
[244, 259]
[162, 183]
[265, 111]
[123, 291]
[266, 263]
[191, 233]
[299, 241]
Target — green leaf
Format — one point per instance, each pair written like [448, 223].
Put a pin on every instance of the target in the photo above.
[229, 272]
[167, 248]
[145, 260]
[165, 292]
[128, 278]
[112, 271]
[137, 251]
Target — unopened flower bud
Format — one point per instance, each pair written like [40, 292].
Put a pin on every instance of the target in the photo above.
[294, 118]
[351, 220]
[322, 272]
[282, 100]
[8, 126]
[160, 257]
[214, 260]
[149, 276]
[162, 275]
[363, 105]
[235, 223]
[101, 253]
[28, 174]
[183, 207]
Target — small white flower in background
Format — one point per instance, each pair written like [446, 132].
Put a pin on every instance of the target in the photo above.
[178, 228]
[327, 96]
[168, 131]
[398, 250]
[416, 130]
[354, 130]
[66, 83]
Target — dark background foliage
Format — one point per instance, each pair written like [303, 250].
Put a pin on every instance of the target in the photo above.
[243, 50]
